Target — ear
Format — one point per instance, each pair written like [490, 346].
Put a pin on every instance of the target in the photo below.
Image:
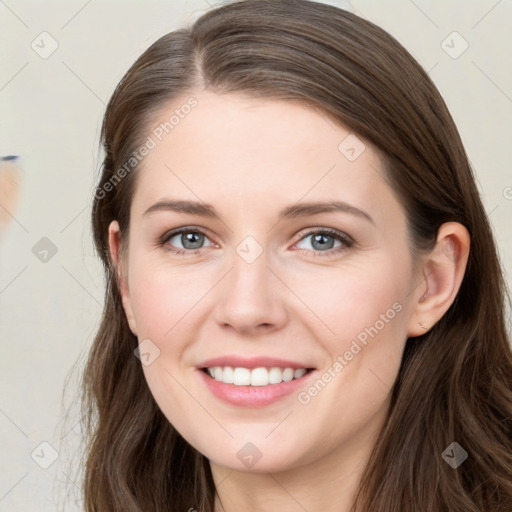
[443, 270]
[116, 254]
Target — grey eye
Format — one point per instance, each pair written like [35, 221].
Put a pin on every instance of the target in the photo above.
[188, 240]
[320, 241]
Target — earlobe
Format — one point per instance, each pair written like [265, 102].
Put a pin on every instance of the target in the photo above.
[114, 240]
[443, 270]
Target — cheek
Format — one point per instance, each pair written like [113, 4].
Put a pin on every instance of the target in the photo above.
[345, 302]
[164, 302]
[363, 328]
[162, 297]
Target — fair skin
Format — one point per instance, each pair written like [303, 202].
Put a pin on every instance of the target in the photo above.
[298, 300]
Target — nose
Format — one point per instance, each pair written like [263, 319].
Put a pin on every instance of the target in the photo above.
[251, 299]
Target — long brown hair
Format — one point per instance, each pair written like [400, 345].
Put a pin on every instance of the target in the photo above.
[455, 382]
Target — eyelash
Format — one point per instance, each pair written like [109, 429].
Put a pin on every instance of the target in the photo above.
[337, 235]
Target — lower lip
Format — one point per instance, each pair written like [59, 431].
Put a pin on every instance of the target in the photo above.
[253, 396]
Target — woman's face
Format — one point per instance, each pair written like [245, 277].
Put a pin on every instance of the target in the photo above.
[270, 280]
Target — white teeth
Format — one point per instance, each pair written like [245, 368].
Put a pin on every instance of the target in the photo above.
[227, 375]
[288, 374]
[259, 377]
[299, 373]
[241, 376]
[275, 376]
[255, 377]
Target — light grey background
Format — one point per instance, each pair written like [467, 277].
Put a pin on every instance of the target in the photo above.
[50, 114]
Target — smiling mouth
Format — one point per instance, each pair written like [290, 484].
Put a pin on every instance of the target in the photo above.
[261, 376]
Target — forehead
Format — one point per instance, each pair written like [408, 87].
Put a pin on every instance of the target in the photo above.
[254, 153]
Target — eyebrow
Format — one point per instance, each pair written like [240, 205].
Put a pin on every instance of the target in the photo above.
[289, 212]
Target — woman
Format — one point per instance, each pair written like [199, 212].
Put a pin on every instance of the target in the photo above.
[304, 305]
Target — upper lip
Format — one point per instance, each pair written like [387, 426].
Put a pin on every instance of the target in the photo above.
[252, 362]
